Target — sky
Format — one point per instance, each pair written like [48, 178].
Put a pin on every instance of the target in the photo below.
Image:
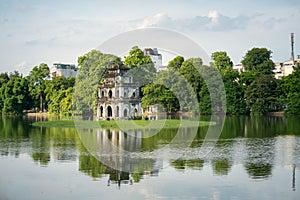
[38, 31]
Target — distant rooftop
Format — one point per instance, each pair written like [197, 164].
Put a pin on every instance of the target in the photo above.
[149, 51]
[64, 66]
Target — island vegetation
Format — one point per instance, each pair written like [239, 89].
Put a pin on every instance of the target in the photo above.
[253, 91]
[113, 124]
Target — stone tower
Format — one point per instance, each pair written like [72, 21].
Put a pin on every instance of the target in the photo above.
[118, 95]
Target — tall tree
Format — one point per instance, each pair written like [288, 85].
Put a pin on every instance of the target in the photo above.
[235, 101]
[176, 62]
[171, 90]
[190, 69]
[59, 92]
[291, 90]
[258, 59]
[262, 95]
[92, 68]
[136, 58]
[221, 60]
[212, 95]
[4, 78]
[15, 96]
[37, 86]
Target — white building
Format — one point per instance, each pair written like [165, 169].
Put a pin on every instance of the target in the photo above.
[66, 70]
[155, 57]
[278, 70]
[238, 67]
[118, 95]
[285, 68]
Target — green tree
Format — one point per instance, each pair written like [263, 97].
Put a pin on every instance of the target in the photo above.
[262, 95]
[171, 90]
[142, 68]
[221, 60]
[37, 86]
[159, 94]
[291, 91]
[92, 68]
[176, 62]
[4, 78]
[15, 95]
[234, 91]
[53, 90]
[190, 69]
[258, 59]
[293, 104]
[61, 102]
[136, 58]
[235, 101]
[212, 94]
[66, 103]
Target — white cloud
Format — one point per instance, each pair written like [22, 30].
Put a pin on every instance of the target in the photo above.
[213, 15]
[213, 21]
[160, 19]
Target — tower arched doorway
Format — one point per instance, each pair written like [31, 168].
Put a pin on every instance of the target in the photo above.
[101, 111]
[109, 94]
[109, 111]
[125, 113]
[117, 114]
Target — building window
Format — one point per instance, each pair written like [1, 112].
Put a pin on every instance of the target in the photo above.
[125, 113]
[117, 111]
[102, 94]
[110, 94]
[101, 111]
[109, 111]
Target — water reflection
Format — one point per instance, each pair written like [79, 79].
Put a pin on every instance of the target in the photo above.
[195, 164]
[258, 144]
[260, 157]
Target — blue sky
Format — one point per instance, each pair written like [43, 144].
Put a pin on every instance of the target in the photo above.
[35, 31]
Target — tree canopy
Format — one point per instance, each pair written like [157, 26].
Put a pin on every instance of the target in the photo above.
[221, 60]
[176, 62]
[136, 58]
[92, 68]
[37, 86]
[258, 59]
[254, 90]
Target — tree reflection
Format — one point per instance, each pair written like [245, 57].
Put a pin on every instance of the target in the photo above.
[40, 141]
[13, 133]
[90, 165]
[195, 164]
[259, 170]
[260, 158]
[221, 166]
[267, 126]
[46, 145]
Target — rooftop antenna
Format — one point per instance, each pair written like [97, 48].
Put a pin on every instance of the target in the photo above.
[292, 46]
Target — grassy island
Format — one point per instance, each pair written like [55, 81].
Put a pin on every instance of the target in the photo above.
[123, 124]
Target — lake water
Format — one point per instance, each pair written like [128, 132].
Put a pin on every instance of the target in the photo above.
[254, 158]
